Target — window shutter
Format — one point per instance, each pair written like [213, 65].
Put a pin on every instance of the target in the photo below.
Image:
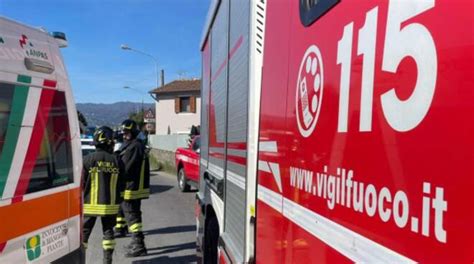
[193, 104]
[177, 107]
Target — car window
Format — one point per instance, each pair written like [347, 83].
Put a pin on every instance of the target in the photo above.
[53, 165]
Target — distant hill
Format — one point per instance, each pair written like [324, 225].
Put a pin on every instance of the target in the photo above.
[109, 114]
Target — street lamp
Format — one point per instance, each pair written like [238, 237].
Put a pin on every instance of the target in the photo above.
[126, 47]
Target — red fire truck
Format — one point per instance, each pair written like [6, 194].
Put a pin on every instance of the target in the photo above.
[337, 131]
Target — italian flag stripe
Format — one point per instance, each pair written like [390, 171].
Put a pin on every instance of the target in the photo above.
[13, 129]
[44, 109]
[23, 143]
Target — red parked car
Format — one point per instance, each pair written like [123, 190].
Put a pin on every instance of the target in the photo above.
[187, 165]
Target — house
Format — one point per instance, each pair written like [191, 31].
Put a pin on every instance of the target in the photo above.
[178, 106]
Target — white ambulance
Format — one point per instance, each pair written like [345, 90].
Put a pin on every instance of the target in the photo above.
[40, 151]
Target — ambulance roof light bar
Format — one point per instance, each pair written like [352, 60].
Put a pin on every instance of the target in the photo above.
[60, 39]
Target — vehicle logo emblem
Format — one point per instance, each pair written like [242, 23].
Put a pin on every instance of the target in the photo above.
[24, 42]
[33, 247]
[309, 91]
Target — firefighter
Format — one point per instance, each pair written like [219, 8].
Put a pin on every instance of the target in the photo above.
[137, 168]
[103, 176]
[120, 229]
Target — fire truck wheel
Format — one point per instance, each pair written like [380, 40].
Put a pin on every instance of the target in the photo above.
[210, 241]
[182, 181]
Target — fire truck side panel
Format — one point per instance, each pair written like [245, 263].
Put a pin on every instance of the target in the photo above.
[375, 146]
[205, 95]
[237, 122]
[218, 93]
[203, 188]
[205, 89]
[273, 235]
[210, 194]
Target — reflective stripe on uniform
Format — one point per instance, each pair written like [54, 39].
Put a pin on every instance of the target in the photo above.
[113, 187]
[108, 244]
[137, 227]
[139, 194]
[101, 209]
[85, 245]
[120, 225]
[94, 186]
[120, 222]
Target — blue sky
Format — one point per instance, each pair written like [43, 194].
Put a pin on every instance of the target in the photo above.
[168, 29]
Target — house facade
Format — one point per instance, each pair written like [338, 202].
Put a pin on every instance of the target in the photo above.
[177, 107]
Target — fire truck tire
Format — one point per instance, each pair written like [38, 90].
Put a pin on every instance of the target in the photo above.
[183, 181]
[210, 241]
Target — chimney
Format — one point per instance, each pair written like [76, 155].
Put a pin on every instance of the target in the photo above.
[162, 77]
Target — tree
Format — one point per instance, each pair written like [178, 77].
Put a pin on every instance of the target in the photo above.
[82, 121]
[138, 118]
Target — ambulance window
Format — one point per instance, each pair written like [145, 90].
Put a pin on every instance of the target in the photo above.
[311, 10]
[53, 166]
[6, 98]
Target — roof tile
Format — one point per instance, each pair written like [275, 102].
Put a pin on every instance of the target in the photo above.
[178, 86]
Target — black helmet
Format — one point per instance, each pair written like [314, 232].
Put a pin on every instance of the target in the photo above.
[104, 136]
[130, 126]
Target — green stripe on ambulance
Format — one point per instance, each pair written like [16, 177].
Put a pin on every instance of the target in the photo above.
[13, 129]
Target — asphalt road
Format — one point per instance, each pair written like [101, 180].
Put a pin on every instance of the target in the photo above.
[169, 227]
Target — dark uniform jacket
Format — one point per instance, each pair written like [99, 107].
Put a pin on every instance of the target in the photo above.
[104, 181]
[137, 170]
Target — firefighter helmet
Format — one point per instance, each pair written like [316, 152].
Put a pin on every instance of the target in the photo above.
[104, 136]
[130, 126]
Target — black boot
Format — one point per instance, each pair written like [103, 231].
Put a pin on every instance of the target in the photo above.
[120, 232]
[136, 238]
[128, 246]
[137, 247]
[108, 256]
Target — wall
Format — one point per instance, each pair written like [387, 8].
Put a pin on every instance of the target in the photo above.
[168, 142]
[165, 160]
[164, 148]
[179, 123]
